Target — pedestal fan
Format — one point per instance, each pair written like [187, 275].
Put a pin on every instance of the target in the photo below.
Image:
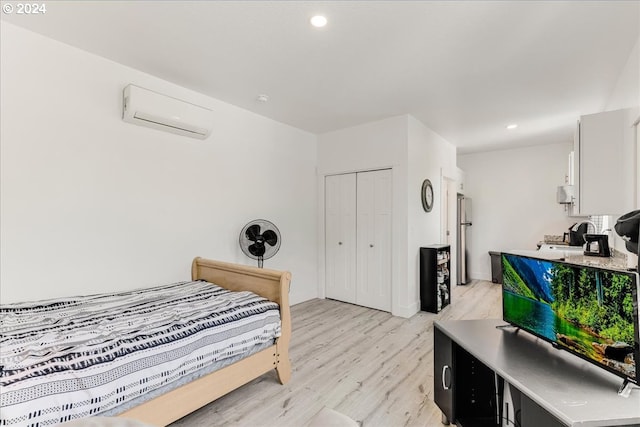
[260, 239]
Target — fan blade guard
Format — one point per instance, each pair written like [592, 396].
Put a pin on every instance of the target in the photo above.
[260, 239]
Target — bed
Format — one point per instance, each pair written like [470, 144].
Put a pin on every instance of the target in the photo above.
[194, 383]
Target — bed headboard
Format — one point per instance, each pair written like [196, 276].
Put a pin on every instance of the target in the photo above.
[271, 284]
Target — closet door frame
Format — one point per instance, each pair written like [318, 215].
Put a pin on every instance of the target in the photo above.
[328, 238]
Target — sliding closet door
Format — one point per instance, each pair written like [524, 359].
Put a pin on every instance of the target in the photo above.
[340, 237]
[373, 264]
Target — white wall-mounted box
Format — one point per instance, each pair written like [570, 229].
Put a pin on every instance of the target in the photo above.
[565, 194]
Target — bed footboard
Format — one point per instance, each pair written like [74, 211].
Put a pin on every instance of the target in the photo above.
[271, 284]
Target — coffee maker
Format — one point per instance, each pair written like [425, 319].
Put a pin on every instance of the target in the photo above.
[575, 236]
[597, 245]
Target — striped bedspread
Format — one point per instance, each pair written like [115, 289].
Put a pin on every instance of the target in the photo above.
[74, 357]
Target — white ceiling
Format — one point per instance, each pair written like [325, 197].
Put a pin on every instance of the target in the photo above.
[466, 69]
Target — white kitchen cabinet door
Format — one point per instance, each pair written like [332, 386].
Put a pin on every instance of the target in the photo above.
[373, 272]
[605, 164]
[340, 237]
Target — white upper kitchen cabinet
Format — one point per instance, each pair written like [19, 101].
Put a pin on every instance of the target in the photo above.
[604, 168]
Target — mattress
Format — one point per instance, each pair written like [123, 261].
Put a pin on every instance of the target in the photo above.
[70, 358]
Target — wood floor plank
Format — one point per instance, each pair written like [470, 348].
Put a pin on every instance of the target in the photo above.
[364, 363]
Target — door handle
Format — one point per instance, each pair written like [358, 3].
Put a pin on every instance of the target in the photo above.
[445, 368]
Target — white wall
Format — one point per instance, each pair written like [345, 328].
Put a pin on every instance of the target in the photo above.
[414, 152]
[432, 157]
[514, 200]
[91, 203]
[374, 145]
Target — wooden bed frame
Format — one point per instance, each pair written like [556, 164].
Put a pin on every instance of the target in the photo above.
[271, 284]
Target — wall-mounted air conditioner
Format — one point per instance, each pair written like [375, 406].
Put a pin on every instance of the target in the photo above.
[145, 107]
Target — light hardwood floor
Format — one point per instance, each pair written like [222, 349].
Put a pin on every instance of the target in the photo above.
[367, 364]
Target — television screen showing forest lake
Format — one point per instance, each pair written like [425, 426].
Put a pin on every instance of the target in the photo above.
[584, 310]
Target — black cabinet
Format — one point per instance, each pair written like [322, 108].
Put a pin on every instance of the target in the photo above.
[475, 394]
[435, 280]
[463, 388]
[496, 266]
[443, 384]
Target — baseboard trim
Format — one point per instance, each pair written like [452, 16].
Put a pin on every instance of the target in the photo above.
[480, 275]
[406, 311]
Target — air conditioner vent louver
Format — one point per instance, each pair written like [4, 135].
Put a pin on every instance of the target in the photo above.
[148, 108]
[159, 121]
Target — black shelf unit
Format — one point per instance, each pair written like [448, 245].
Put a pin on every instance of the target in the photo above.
[435, 277]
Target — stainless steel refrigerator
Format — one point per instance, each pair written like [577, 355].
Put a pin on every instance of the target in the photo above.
[464, 223]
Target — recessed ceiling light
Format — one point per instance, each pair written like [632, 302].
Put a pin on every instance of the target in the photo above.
[319, 21]
[513, 126]
[262, 98]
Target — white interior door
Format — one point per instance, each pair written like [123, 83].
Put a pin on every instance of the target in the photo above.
[445, 230]
[340, 237]
[373, 237]
[452, 204]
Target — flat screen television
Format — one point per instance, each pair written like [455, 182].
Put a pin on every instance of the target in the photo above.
[590, 312]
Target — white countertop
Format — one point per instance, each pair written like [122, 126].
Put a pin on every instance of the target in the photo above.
[544, 254]
[574, 255]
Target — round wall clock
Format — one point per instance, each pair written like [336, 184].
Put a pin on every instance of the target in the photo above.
[427, 195]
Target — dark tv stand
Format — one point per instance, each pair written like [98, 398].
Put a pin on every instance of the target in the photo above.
[483, 374]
